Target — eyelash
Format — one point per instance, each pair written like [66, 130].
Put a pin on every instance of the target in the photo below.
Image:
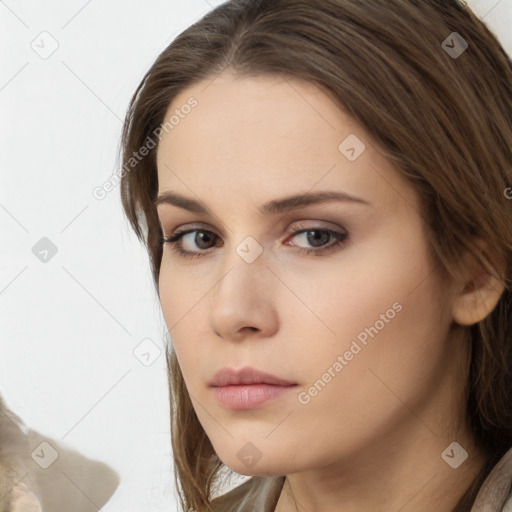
[174, 240]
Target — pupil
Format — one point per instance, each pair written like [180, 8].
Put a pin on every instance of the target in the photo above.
[202, 237]
[323, 238]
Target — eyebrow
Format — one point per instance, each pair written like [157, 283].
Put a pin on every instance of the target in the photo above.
[273, 207]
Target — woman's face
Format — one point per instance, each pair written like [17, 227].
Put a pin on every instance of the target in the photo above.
[350, 309]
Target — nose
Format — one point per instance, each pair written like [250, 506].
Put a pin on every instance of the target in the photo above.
[242, 303]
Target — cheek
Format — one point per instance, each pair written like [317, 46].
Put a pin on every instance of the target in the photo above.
[180, 299]
[390, 332]
[359, 383]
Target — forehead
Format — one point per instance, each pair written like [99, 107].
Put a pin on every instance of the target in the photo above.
[242, 115]
[267, 134]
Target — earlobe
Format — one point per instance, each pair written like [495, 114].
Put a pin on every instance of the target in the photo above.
[478, 296]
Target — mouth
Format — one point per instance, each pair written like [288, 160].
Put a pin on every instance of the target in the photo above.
[247, 388]
[249, 396]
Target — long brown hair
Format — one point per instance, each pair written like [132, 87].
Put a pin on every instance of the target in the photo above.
[444, 119]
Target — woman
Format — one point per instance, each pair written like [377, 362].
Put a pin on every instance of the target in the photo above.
[324, 191]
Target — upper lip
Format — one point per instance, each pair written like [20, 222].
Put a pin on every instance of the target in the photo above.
[230, 376]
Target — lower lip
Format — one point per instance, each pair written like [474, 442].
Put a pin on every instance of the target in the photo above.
[249, 396]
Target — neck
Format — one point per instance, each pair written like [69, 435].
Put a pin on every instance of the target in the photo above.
[411, 478]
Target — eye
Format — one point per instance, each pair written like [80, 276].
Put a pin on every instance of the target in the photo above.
[317, 237]
[201, 238]
[183, 241]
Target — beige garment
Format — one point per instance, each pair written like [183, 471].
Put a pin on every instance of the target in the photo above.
[40, 474]
[496, 492]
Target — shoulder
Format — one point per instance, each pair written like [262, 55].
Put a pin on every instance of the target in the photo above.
[496, 491]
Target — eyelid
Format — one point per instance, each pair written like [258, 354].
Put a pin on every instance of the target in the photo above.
[318, 224]
[189, 227]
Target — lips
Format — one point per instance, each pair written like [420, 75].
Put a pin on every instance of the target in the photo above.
[246, 376]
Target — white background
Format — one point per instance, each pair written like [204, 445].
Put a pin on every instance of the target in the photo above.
[69, 326]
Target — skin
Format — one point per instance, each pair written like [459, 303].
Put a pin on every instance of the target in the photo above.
[372, 438]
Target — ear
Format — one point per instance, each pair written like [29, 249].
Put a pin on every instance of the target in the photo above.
[478, 295]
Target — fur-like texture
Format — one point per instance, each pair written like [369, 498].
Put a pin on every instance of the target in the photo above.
[17, 486]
